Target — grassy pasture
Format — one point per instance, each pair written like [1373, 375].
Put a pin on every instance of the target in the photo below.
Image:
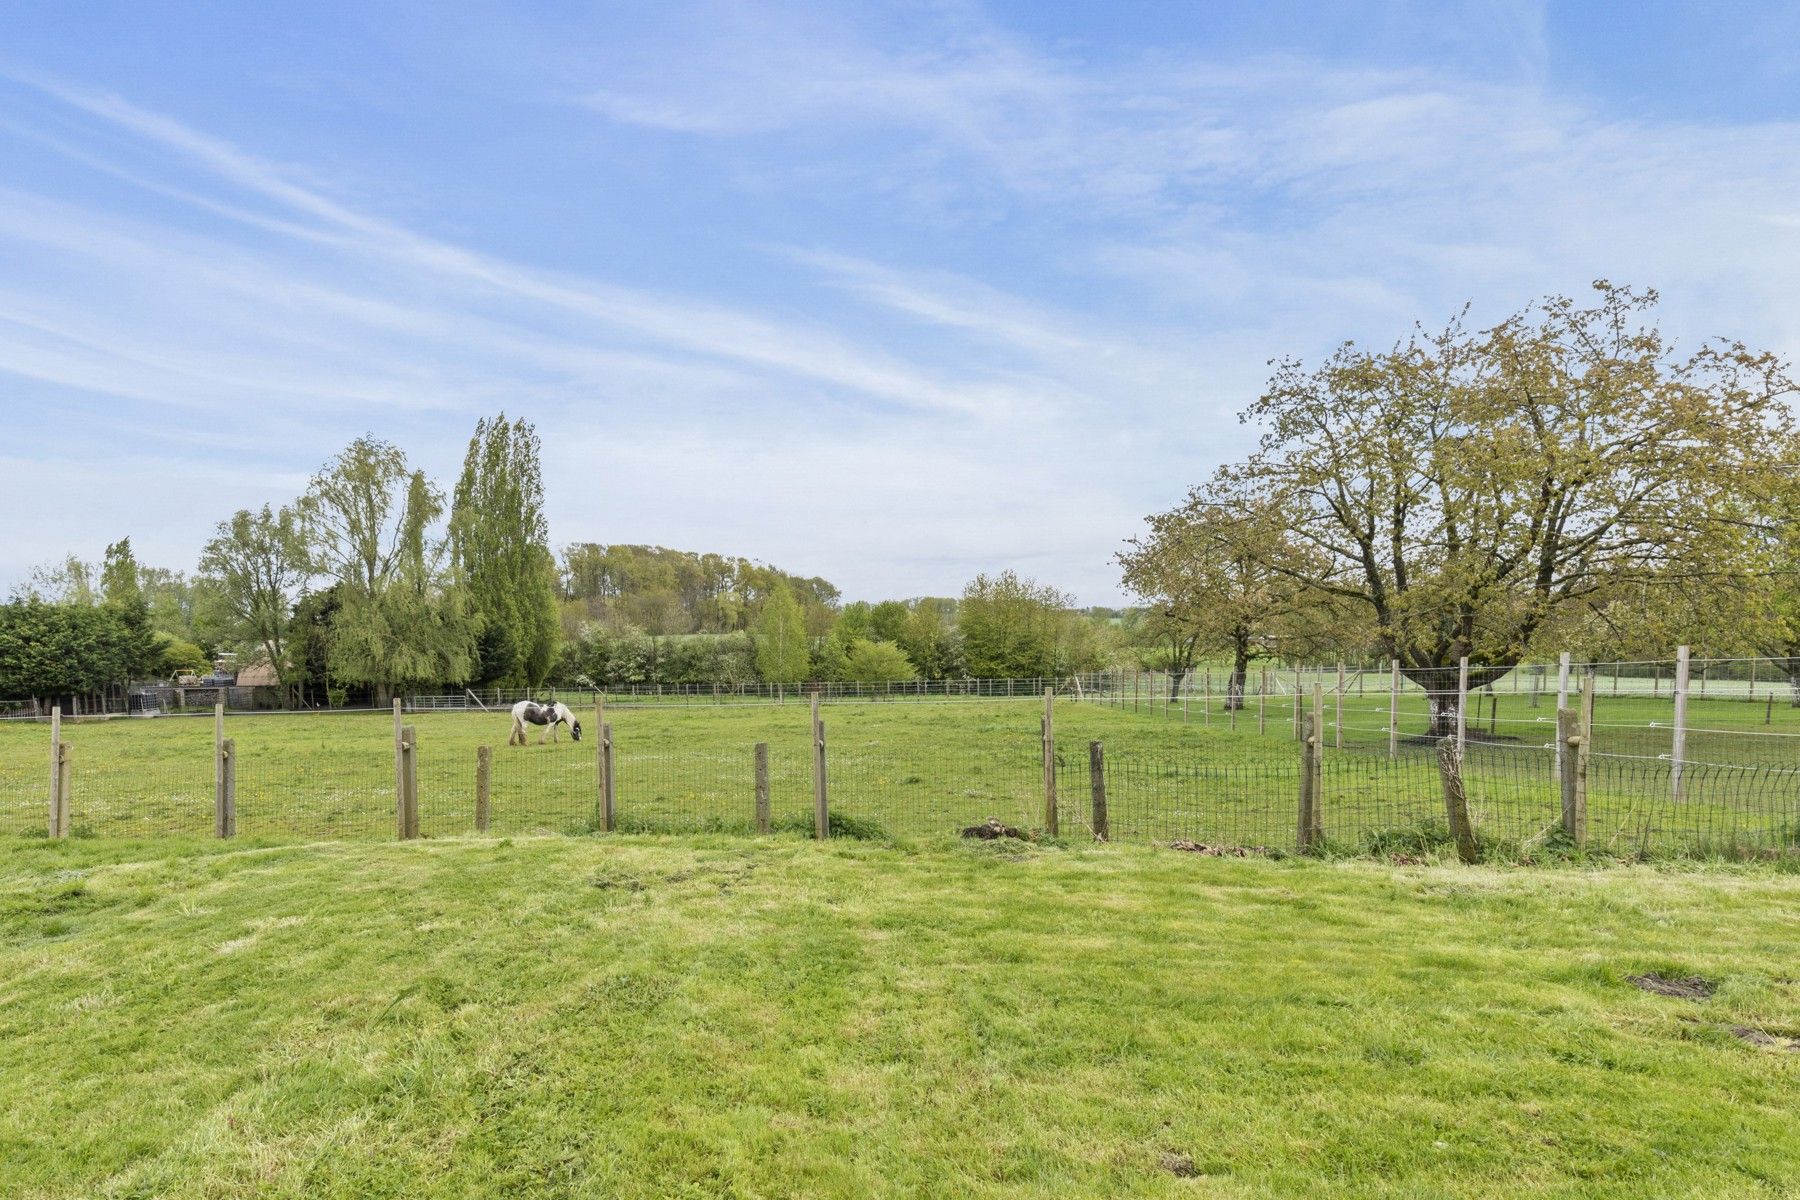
[919, 768]
[332, 774]
[648, 1017]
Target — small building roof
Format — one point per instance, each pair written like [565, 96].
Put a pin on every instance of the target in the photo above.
[257, 673]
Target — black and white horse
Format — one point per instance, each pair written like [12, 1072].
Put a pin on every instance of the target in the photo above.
[529, 712]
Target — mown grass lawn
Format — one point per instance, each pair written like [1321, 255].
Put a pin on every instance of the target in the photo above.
[717, 1017]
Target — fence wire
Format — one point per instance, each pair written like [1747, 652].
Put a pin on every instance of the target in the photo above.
[1224, 776]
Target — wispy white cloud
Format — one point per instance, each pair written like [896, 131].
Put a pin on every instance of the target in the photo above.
[696, 327]
[1038, 282]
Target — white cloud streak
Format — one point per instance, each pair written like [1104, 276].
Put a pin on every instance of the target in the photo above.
[1163, 224]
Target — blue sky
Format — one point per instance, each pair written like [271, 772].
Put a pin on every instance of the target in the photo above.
[891, 294]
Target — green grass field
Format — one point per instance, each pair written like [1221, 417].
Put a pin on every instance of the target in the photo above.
[645, 1017]
[925, 768]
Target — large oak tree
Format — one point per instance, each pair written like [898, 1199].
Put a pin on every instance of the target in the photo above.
[1470, 489]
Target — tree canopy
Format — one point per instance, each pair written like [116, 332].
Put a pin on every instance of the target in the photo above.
[780, 631]
[254, 568]
[1222, 574]
[1013, 626]
[1471, 491]
[401, 620]
[500, 550]
[870, 661]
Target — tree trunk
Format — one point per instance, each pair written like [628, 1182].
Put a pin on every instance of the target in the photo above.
[1234, 690]
[1439, 685]
[1443, 713]
[1176, 675]
[1794, 685]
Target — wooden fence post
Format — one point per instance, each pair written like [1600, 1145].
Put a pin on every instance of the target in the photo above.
[1394, 708]
[1262, 702]
[1678, 744]
[1299, 704]
[1562, 698]
[409, 783]
[399, 773]
[1456, 800]
[1097, 784]
[762, 787]
[821, 796]
[599, 762]
[1049, 749]
[1304, 825]
[218, 767]
[484, 773]
[609, 802]
[225, 800]
[56, 821]
[219, 764]
[1462, 705]
[1589, 685]
[1574, 795]
[1317, 835]
[65, 789]
[1339, 737]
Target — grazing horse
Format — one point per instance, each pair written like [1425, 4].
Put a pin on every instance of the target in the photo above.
[529, 712]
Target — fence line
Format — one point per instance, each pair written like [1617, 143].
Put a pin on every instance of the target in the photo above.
[1379, 794]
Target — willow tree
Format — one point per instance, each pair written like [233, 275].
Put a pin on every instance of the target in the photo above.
[1469, 489]
[500, 549]
[401, 622]
[1222, 573]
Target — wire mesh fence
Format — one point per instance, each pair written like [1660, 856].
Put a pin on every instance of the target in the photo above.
[331, 777]
[1228, 777]
[924, 793]
[1734, 712]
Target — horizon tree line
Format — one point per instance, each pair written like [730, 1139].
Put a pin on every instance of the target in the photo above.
[372, 583]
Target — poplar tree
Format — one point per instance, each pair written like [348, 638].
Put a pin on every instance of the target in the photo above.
[781, 649]
[500, 551]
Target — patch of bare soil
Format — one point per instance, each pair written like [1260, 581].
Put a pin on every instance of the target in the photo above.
[1212, 851]
[1179, 1165]
[1764, 1039]
[1691, 987]
[992, 828]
